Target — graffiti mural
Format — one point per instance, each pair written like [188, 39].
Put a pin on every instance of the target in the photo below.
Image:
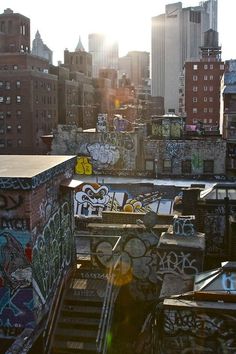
[53, 251]
[91, 200]
[83, 166]
[16, 304]
[144, 263]
[94, 198]
[189, 331]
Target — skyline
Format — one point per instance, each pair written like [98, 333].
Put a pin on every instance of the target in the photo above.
[130, 24]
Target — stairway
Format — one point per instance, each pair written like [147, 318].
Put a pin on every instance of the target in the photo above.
[78, 323]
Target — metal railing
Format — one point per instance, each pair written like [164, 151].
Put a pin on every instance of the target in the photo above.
[111, 291]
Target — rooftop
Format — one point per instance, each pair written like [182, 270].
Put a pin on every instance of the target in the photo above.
[28, 166]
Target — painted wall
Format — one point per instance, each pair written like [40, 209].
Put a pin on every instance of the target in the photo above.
[91, 199]
[197, 331]
[107, 150]
[36, 244]
[195, 151]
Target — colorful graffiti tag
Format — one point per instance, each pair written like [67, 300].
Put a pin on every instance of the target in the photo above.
[83, 166]
[16, 294]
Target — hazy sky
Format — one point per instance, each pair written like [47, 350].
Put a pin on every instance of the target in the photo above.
[61, 23]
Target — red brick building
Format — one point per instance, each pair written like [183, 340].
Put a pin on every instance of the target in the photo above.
[28, 93]
[202, 84]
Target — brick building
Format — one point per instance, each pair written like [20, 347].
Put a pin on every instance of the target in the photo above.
[36, 238]
[28, 93]
[202, 84]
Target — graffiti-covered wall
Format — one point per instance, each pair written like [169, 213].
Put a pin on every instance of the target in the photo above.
[36, 243]
[91, 199]
[199, 330]
[107, 150]
[195, 152]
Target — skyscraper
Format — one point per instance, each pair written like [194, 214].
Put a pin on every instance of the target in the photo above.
[176, 37]
[105, 53]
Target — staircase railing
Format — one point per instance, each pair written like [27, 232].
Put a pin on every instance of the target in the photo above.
[111, 292]
[107, 310]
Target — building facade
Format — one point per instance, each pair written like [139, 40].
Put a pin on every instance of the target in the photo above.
[40, 49]
[105, 53]
[202, 84]
[28, 93]
[176, 37]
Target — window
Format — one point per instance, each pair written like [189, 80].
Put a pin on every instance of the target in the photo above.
[8, 114]
[8, 100]
[195, 77]
[194, 110]
[211, 88]
[210, 121]
[17, 84]
[205, 110]
[18, 99]
[19, 128]
[194, 88]
[1, 84]
[1, 115]
[167, 166]
[211, 77]
[7, 85]
[2, 143]
[19, 142]
[205, 99]
[205, 77]
[15, 67]
[194, 66]
[205, 88]
[194, 99]
[211, 110]
[1, 99]
[222, 67]
[208, 166]
[9, 127]
[149, 165]
[186, 166]
[18, 114]
[205, 66]
[205, 121]
[210, 99]
[211, 66]
[9, 143]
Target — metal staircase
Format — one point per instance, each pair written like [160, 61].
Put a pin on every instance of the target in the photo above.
[85, 314]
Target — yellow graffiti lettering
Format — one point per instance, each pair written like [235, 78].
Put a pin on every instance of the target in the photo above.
[83, 166]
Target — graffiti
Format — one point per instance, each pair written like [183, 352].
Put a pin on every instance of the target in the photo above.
[83, 166]
[124, 141]
[19, 224]
[91, 200]
[50, 203]
[197, 162]
[103, 155]
[8, 202]
[52, 251]
[174, 150]
[229, 282]
[102, 122]
[196, 332]
[16, 310]
[183, 226]
[214, 226]
[36, 181]
[15, 266]
[176, 263]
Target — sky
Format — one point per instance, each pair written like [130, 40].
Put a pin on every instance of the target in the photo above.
[60, 23]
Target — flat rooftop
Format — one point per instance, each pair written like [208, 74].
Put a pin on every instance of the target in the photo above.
[28, 166]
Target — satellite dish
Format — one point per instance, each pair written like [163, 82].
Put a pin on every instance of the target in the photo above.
[150, 219]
